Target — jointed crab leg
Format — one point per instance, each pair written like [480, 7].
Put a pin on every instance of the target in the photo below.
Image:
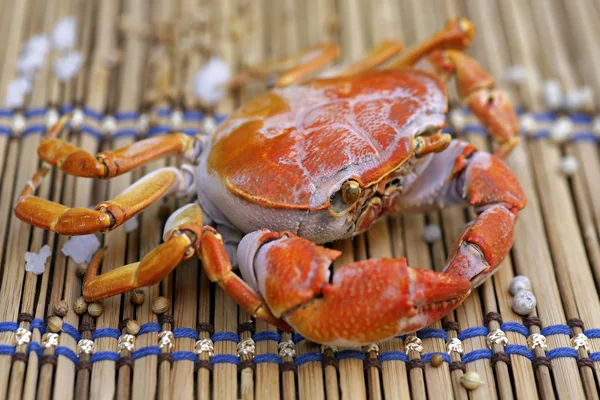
[107, 164]
[107, 215]
[444, 55]
[462, 175]
[218, 268]
[376, 57]
[181, 240]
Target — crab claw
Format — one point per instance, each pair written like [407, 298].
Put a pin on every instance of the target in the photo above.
[364, 302]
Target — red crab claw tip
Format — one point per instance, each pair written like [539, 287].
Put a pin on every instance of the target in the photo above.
[369, 301]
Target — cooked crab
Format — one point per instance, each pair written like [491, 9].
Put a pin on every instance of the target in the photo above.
[313, 162]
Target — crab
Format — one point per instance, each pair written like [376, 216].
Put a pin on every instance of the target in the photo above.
[310, 162]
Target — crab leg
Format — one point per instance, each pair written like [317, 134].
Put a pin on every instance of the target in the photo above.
[182, 237]
[292, 69]
[462, 175]
[443, 54]
[218, 268]
[376, 57]
[364, 302]
[478, 90]
[107, 164]
[107, 215]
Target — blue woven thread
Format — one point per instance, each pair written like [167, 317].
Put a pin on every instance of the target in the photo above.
[35, 112]
[89, 112]
[124, 132]
[561, 352]
[592, 333]
[515, 327]
[475, 128]
[8, 326]
[66, 108]
[393, 355]
[308, 357]
[33, 129]
[39, 325]
[90, 130]
[449, 131]
[477, 355]
[350, 354]
[5, 113]
[427, 356]
[185, 333]
[541, 134]
[580, 118]
[595, 356]
[158, 130]
[556, 330]
[184, 356]
[145, 352]
[260, 336]
[267, 358]
[163, 112]
[511, 349]
[583, 137]
[7, 350]
[225, 359]
[191, 131]
[429, 333]
[105, 356]
[544, 116]
[193, 116]
[71, 331]
[219, 119]
[5, 130]
[106, 332]
[225, 336]
[127, 116]
[67, 352]
[35, 347]
[473, 332]
[296, 338]
[149, 327]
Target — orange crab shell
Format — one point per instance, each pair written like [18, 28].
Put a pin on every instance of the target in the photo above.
[293, 147]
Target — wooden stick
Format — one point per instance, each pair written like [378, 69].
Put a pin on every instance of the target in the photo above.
[226, 310]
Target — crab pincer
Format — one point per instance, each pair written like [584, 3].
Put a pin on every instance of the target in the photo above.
[361, 303]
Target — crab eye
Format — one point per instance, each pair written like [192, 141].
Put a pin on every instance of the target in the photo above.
[351, 192]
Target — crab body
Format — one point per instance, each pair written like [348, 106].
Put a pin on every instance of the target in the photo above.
[308, 164]
[280, 161]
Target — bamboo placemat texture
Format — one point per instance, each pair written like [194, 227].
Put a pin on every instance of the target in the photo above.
[130, 60]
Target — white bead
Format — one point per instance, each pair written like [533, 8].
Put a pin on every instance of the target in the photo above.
[109, 125]
[569, 165]
[18, 123]
[524, 303]
[51, 118]
[457, 119]
[204, 346]
[515, 74]
[77, 118]
[432, 233]
[177, 119]
[553, 95]
[561, 129]
[518, 283]
[246, 347]
[85, 346]
[528, 122]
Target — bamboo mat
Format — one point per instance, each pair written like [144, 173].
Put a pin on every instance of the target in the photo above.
[133, 71]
